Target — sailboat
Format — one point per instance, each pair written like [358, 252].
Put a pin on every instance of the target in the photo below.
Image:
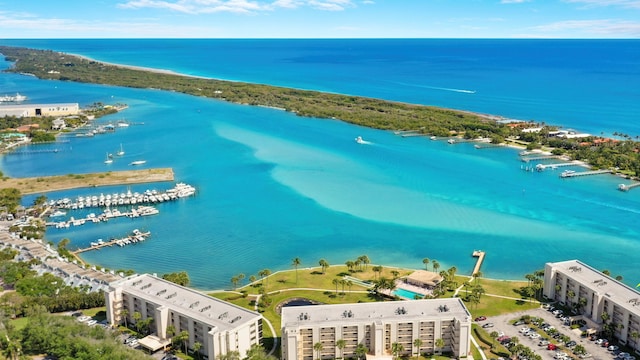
[109, 160]
[121, 152]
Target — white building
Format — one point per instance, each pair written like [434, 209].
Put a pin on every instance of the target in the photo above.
[33, 110]
[376, 326]
[594, 294]
[219, 326]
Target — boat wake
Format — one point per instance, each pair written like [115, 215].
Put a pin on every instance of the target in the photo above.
[463, 91]
[359, 140]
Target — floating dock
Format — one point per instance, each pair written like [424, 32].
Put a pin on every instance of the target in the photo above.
[136, 237]
[480, 255]
[570, 174]
[142, 210]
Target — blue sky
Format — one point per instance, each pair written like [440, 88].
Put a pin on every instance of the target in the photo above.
[320, 19]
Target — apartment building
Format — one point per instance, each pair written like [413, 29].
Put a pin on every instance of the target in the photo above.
[598, 298]
[218, 326]
[345, 330]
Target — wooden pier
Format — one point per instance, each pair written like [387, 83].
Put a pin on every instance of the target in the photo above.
[490, 146]
[135, 238]
[566, 174]
[414, 134]
[29, 152]
[624, 187]
[541, 167]
[480, 255]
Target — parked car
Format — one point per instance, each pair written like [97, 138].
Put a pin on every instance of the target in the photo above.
[551, 346]
[503, 338]
[543, 343]
[613, 348]
[534, 335]
[518, 323]
[600, 341]
[571, 343]
[487, 325]
[92, 322]
[481, 318]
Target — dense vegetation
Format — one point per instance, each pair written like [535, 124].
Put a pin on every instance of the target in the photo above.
[620, 155]
[10, 199]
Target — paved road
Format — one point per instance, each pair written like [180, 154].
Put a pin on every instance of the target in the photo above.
[501, 323]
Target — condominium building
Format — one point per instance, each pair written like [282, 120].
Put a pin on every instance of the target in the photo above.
[346, 330]
[218, 326]
[32, 110]
[598, 298]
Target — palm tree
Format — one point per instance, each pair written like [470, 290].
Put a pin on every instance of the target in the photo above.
[171, 331]
[396, 349]
[324, 264]
[350, 264]
[136, 317]
[252, 279]
[365, 260]
[183, 337]
[265, 275]
[436, 265]
[343, 283]
[395, 274]
[335, 282]
[124, 313]
[417, 343]
[377, 270]
[349, 284]
[196, 348]
[318, 348]
[340, 344]
[477, 275]
[494, 334]
[361, 350]
[234, 281]
[295, 263]
[425, 261]
[439, 344]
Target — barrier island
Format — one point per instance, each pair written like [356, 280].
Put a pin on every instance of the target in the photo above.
[620, 155]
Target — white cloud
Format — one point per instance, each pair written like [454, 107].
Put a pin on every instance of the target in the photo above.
[603, 27]
[633, 4]
[234, 6]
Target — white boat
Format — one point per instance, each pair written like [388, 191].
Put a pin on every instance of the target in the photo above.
[16, 98]
[138, 162]
[122, 123]
[451, 141]
[433, 137]
[109, 160]
[121, 152]
[58, 213]
[359, 140]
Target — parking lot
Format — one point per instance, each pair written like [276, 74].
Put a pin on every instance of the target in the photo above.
[501, 324]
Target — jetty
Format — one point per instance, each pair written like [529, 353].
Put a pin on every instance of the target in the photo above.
[624, 187]
[32, 152]
[135, 237]
[490, 146]
[414, 134]
[480, 255]
[570, 174]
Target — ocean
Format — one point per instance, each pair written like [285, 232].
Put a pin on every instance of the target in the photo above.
[273, 186]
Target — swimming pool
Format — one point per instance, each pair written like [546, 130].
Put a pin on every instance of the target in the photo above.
[407, 294]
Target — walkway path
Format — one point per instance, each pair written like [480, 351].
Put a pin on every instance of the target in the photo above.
[475, 343]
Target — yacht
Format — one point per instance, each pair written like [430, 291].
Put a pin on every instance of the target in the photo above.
[121, 152]
[359, 140]
[567, 173]
[108, 160]
[138, 162]
[16, 98]
[58, 213]
[451, 141]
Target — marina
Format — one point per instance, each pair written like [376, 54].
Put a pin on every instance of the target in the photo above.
[108, 213]
[181, 190]
[136, 237]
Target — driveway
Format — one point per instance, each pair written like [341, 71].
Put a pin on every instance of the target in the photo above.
[501, 324]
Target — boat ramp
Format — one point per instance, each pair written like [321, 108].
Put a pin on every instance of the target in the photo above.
[136, 237]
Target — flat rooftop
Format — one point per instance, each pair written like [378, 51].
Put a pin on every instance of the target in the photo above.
[622, 294]
[191, 303]
[376, 311]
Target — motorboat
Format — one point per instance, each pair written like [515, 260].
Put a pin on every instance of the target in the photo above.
[359, 140]
[138, 162]
[58, 213]
[451, 141]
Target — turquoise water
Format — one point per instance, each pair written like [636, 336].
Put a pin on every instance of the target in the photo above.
[273, 186]
[407, 294]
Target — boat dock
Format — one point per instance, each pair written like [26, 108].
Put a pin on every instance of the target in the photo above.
[541, 157]
[490, 146]
[570, 174]
[181, 190]
[624, 187]
[480, 255]
[414, 134]
[30, 152]
[542, 167]
[136, 237]
[105, 216]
